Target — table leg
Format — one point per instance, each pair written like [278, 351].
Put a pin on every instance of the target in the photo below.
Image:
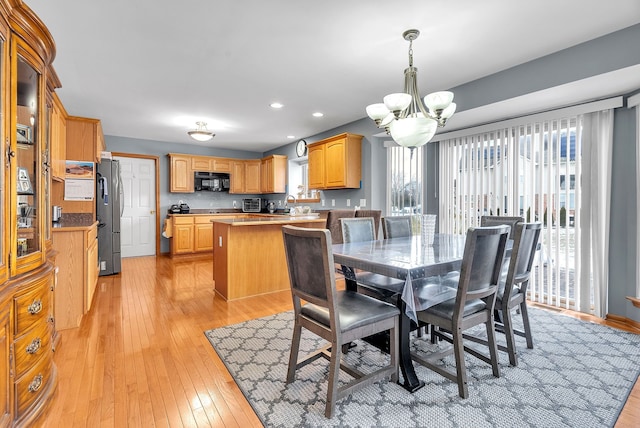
[411, 381]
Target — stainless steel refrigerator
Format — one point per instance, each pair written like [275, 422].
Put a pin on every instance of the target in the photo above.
[109, 206]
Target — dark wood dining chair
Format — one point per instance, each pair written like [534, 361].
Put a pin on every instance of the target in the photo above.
[361, 229]
[473, 305]
[375, 214]
[497, 220]
[339, 317]
[396, 226]
[512, 288]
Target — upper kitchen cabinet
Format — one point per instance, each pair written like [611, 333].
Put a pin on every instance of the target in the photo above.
[245, 176]
[181, 173]
[58, 139]
[335, 162]
[85, 140]
[210, 164]
[273, 174]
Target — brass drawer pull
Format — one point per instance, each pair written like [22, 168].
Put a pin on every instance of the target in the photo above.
[35, 384]
[35, 307]
[34, 346]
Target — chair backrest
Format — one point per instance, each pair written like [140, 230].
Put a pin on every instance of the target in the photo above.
[396, 226]
[310, 264]
[333, 223]
[357, 229]
[481, 263]
[497, 220]
[525, 242]
[376, 214]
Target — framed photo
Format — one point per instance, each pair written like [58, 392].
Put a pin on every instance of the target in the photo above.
[24, 134]
[24, 182]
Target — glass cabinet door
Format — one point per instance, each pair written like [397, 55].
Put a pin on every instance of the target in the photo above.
[27, 160]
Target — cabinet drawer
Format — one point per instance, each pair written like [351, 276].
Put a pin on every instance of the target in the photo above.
[92, 235]
[33, 306]
[30, 348]
[183, 219]
[204, 219]
[30, 386]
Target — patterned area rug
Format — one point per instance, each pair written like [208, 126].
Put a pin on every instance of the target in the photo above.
[579, 374]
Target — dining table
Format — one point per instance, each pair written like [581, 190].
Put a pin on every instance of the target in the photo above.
[428, 266]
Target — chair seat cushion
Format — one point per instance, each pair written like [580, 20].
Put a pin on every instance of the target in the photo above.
[446, 309]
[354, 309]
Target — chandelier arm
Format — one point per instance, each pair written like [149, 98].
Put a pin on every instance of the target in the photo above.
[411, 88]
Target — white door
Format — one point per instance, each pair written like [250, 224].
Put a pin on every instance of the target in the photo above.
[138, 220]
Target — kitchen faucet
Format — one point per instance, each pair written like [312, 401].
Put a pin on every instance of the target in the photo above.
[286, 201]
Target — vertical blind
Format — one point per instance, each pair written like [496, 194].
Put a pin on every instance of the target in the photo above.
[526, 170]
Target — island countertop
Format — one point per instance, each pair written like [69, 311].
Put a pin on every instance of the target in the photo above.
[264, 220]
[248, 254]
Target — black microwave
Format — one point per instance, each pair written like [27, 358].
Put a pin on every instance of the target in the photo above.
[212, 182]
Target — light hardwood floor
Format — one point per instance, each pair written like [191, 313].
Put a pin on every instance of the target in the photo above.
[140, 358]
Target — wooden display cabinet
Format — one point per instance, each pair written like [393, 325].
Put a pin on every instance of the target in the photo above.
[27, 81]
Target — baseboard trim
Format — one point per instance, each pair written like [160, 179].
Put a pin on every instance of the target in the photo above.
[635, 301]
[635, 325]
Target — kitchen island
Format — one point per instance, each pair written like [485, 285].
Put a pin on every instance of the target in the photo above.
[248, 254]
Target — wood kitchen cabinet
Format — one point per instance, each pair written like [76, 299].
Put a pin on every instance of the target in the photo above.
[77, 278]
[85, 140]
[273, 174]
[335, 162]
[245, 176]
[194, 233]
[210, 164]
[182, 241]
[181, 173]
[58, 139]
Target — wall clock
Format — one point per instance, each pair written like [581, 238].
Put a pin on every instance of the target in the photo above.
[301, 148]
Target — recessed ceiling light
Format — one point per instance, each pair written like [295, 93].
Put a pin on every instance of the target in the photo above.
[318, 114]
[291, 137]
[276, 105]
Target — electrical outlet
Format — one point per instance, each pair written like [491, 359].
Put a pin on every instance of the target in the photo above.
[235, 204]
[322, 202]
[363, 203]
[348, 202]
[333, 202]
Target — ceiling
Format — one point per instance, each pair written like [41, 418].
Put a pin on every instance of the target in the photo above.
[150, 69]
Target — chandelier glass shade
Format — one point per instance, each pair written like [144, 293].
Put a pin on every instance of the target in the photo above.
[409, 121]
[201, 133]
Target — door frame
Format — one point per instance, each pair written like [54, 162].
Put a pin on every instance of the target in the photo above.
[157, 169]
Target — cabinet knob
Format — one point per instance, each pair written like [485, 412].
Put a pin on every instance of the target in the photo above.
[35, 384]
[35, 307]
[33, 346]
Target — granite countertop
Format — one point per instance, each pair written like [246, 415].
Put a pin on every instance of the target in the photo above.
[269, 220]
[74, 221]
[210, 211]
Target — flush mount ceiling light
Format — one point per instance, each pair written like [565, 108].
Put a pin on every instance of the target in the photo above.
[404, 116]
[202, 133]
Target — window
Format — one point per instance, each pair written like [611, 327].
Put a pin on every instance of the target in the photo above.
[405, 175]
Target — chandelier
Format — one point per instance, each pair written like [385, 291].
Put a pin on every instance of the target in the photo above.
[404, 116]
[202, 133]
